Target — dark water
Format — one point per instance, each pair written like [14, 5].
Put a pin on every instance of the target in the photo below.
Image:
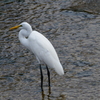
[73, 27]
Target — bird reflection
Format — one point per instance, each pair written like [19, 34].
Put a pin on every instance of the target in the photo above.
[48, 94]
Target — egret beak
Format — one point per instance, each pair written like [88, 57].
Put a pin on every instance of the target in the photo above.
[15, 27]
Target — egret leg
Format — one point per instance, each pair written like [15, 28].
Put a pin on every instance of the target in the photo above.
[48, 72]
[41, 77]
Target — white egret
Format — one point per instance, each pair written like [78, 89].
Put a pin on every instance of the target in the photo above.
[41, 47]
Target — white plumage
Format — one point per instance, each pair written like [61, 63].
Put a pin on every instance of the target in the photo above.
[40, 46]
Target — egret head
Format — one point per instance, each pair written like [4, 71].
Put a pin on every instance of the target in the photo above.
[25, 29]
[26, 26]
[23, 25]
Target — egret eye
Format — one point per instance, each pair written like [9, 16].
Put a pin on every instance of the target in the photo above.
[20, 25]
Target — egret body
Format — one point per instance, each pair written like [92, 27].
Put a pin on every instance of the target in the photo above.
[41, 47]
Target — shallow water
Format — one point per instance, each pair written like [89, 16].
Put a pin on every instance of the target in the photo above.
[73, 27]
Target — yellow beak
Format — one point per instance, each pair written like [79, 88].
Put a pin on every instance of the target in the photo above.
[15, 27]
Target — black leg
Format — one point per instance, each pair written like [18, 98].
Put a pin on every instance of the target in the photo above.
[48, 76]
[41, 77]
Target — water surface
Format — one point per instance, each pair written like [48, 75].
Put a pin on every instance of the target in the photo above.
[73, 27]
